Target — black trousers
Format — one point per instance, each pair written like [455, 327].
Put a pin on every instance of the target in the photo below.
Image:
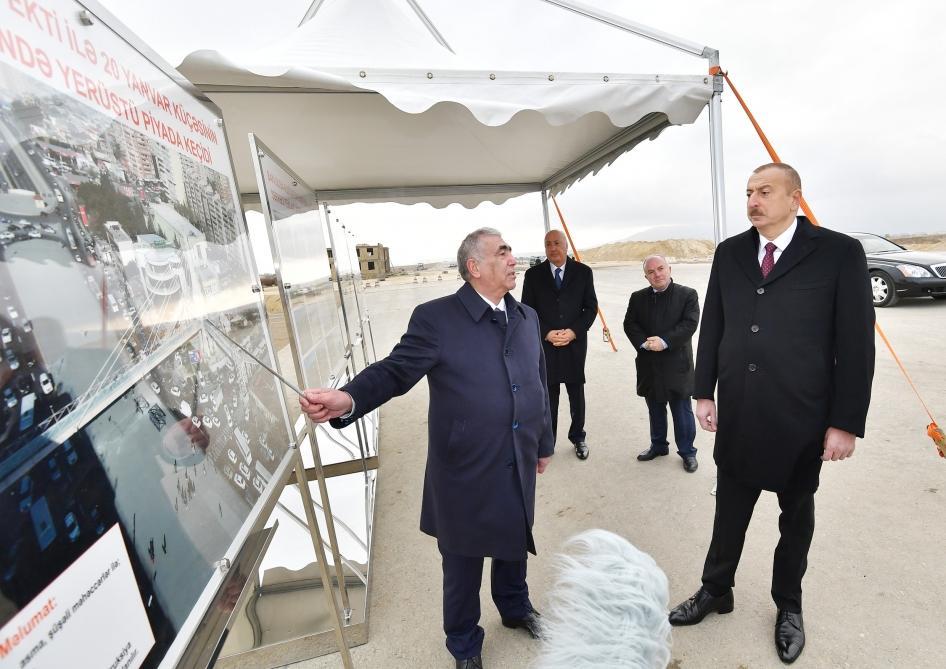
[576, 405]
[462, 577]
[734, 505]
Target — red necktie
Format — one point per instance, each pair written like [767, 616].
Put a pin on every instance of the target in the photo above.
[768, 260]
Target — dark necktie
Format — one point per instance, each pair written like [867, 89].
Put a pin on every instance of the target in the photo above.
[558, 278]
[499, 317]
[768, 260]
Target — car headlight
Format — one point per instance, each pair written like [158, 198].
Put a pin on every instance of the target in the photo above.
[914, 271]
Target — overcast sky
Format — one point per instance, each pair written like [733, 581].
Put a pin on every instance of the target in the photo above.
[849, 92]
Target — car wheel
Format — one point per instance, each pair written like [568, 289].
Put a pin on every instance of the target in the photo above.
[882, 288]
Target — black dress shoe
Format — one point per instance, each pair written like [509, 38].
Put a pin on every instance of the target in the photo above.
[470, 663]
[581, 450]
[789, 635]
[531, 623]
[690, 464]
[699, 606]
[650, 454]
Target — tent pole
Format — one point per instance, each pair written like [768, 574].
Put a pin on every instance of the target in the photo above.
[545, 210]
[621, 23]
[716, 160]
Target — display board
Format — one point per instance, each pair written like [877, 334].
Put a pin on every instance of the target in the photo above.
[302, 253]
[124, 414]
[318, 295]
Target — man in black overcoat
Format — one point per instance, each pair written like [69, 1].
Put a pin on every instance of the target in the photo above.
[787, 343]
[660, 322]
[489, 433]
[562, 292]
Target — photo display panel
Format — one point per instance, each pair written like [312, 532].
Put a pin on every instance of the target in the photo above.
[302, 253]
[121, 239]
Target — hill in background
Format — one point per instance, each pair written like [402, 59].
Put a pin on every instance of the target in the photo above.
[700, 250]
[672, 249]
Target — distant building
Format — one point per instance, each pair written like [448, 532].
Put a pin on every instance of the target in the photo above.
[180, 233]
[160, 265]
[207, 195]
[134, 152]
[121, 241]
[373, 261]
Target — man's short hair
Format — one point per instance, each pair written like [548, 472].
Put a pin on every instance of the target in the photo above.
[794, 181]
[651, 257]
[471, 247]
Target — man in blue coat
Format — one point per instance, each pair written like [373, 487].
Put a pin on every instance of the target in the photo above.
[489, 433]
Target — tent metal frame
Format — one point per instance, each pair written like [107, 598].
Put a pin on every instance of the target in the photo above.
[615, 145]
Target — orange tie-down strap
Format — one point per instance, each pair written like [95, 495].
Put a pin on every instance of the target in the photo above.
[606, 332]
[932, 430]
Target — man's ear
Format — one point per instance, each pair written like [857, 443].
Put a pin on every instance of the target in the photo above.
[473, 268]
[796, 198]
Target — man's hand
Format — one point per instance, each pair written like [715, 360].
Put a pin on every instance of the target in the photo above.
[706, 414]
[323, 404]
[654, 344]
[561, 337]
[543, 464]
[838, 444]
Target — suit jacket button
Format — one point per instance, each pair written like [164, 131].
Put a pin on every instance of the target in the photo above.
[760, 291]
[515, 388]
[752, 367]
[515, 425]
[754, 328]
[507, 351]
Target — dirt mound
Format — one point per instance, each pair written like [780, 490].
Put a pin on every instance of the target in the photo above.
[918, 242]
[672, 249]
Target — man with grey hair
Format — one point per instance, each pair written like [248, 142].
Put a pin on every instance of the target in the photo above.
[489, 434]
[660, 322]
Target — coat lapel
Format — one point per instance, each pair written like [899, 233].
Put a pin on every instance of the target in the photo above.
[569, 272]
[514, 313]
[803, 242]
[747, 254]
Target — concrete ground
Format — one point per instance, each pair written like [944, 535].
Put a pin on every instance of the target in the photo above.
[876, 582]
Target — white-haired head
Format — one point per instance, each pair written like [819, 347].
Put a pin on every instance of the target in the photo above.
[607, 609]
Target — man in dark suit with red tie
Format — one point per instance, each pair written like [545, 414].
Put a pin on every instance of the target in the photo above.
[787, 344]
[562, 292]
[489, 434]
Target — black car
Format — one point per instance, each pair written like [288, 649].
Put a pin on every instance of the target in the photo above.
[896, 272]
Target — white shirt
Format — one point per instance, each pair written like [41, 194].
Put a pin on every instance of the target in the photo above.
[501, 306]
[561, 268]
[781, 242]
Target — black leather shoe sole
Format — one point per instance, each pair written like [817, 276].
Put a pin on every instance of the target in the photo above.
[789, 636]
[470, 663]
[700, 605]
[530, 625]
[649, 455]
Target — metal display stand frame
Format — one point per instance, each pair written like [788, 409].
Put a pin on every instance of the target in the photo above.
[344, 634]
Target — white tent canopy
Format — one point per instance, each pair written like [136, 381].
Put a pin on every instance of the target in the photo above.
[427, 101]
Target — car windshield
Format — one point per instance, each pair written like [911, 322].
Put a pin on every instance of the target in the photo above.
[875, 244]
